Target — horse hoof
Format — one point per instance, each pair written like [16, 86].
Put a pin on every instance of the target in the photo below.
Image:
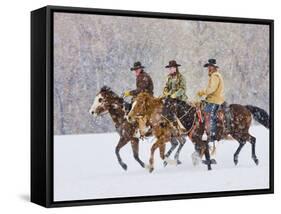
[256, 161]
[235, 160]
[170, 161]
[209, 167]
[213, 161]
[165, 163]
[149, 168]
[179, 162]
[206, 162]
[124, 166]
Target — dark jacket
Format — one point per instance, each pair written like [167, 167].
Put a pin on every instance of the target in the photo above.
[144, 84]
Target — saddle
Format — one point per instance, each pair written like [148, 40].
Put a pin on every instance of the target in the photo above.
[223, 116]
[168, 113]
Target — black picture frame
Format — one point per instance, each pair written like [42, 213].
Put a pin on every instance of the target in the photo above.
[42, 105]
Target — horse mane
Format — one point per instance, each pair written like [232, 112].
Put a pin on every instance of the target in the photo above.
[105, 88]
[109, 91]
[150, 102]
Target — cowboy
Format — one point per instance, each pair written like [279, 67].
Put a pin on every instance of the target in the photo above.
[214, 97]
[175, 89]
[175, 83]
[143, 82]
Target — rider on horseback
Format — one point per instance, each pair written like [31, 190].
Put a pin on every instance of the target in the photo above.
[175, 83]
[174, 88]
[143, 82]
[214, 97]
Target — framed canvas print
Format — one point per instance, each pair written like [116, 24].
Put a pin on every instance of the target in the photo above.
[131, 106]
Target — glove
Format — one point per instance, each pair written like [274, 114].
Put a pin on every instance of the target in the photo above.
[127, 94]
[174, 95]
[200, 93]
[166, 93]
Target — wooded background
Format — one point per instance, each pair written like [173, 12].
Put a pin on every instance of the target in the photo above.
[93, 50]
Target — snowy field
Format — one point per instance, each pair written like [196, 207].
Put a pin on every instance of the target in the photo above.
[85, 167]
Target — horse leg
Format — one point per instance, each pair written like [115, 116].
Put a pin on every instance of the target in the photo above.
[235, 157]
[162, 151]
[174, 143]
[253, 142]
[207, 156]
[122, 142]
[135, 148]
[151, 159]
[182, 142]
[196, 155]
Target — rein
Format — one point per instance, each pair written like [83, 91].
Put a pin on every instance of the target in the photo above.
[186, 112]
[104, 113]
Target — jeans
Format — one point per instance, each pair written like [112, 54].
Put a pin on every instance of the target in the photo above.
[212, 109]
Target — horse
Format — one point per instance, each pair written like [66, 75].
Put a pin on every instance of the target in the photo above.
[158, 114]
[190, 118]
[107, 101]
[237, 126]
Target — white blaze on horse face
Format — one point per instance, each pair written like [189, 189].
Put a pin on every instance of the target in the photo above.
[97, 102]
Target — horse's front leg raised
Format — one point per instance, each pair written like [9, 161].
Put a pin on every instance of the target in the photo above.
[122, 142]
[135, 148]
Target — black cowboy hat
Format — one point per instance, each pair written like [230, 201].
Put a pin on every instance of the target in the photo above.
[211, 62]
[137, 65]
[172, 63]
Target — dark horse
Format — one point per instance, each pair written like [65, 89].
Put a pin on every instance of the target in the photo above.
[106, 101]
[237, 126]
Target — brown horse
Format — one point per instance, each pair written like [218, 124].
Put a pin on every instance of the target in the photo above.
[149, 111]
[237, 126]
[106, 101]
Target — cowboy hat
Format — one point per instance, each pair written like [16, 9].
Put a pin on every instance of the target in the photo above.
[137, 65]
[211, 62]
[172, 63]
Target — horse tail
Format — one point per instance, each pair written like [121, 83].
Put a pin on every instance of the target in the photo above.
[259, 115]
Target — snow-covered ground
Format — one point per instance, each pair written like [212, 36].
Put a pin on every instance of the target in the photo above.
[85, 167]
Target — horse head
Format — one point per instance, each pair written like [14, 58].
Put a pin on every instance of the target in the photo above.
[105, 100]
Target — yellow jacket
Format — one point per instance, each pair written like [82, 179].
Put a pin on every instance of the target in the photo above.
[215, 90]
